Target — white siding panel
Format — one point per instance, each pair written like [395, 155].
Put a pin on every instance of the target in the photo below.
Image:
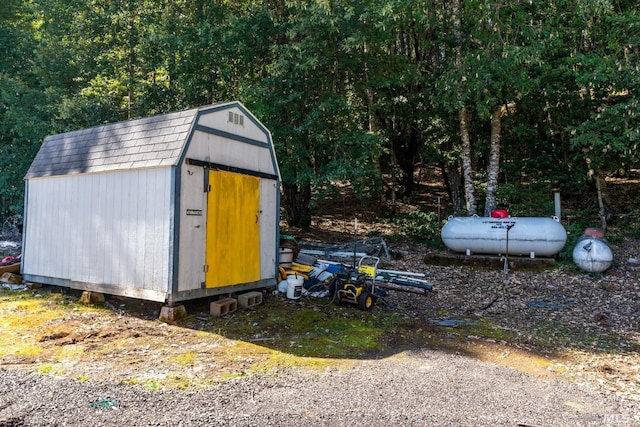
[99, 225]
[228, 152]
[268, 228]
[193, 199]
[109, 228]
[220, 120]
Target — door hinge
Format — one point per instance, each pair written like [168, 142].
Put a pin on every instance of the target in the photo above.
[206, 268]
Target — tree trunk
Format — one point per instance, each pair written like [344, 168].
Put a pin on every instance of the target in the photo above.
[394, 175]
[467, 169]
[601, 188]
[131, 60]
[453, 181]
[494, 162]
[463, 116]
[405, 149]
[297, 198]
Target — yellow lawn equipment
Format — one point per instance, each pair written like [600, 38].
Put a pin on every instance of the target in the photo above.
[357, 286]
[296, 269]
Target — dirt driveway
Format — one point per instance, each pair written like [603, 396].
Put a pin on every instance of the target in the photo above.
[291, 363]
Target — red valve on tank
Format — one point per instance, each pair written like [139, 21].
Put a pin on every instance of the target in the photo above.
[499, 213]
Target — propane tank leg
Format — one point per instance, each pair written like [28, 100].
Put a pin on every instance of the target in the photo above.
[505, 267]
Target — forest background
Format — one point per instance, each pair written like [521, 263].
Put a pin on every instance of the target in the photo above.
[508, 100]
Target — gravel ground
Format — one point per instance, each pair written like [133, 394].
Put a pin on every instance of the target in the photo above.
[593, 318]
[417, 388]
[590, 321]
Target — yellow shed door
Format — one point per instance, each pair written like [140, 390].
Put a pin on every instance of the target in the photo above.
[233, 229]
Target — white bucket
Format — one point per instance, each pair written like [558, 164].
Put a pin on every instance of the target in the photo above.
[286, 257]
[294, 286]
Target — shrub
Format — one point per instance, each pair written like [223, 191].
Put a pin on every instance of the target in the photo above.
[421, 226]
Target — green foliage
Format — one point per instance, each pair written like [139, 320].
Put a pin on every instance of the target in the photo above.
[352, 91]
[421, 226]
[535, 199]
[626, 226]
[575, 229]
[313, 105]
[606, 69]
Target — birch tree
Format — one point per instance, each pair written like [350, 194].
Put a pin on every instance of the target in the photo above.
[463, 112]
[493, 52]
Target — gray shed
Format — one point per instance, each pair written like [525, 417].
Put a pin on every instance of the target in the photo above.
[166, 208]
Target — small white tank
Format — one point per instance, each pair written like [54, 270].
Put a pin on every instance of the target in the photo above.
[524, 236]
[592, 254]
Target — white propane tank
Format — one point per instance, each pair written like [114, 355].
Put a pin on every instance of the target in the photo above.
[504, 236]
[592, 254]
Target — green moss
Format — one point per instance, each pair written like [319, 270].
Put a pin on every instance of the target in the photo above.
[49, 369]
[82, 378]
[305, 330]
[554, 335]
[279, 333]
[184, 359]
[483, 328]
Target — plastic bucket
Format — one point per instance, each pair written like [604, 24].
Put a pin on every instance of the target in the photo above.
[286, 257]
[294, 286]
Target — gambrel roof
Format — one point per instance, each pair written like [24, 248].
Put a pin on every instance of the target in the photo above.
[148, 142]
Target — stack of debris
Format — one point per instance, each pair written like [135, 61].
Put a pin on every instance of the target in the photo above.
[10, 272]
[374, 246]
[319, 264]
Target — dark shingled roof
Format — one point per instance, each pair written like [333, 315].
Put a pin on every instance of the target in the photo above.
[148, 142]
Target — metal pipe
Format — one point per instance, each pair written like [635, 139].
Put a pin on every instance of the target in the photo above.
[506, 255]
[556, 204]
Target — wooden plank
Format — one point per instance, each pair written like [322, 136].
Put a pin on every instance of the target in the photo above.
[402, 288]
[12, 268]
[489, 261]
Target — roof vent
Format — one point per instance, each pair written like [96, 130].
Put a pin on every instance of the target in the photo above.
[236, 119]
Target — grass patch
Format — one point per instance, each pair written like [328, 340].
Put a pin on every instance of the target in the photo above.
[83, 378]
[60, 337]
[552, 335]
[149, 384]
[483, 328]
[50, 369]
[26, 317]
[21, 314]
[304, 330]
[184, 359]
